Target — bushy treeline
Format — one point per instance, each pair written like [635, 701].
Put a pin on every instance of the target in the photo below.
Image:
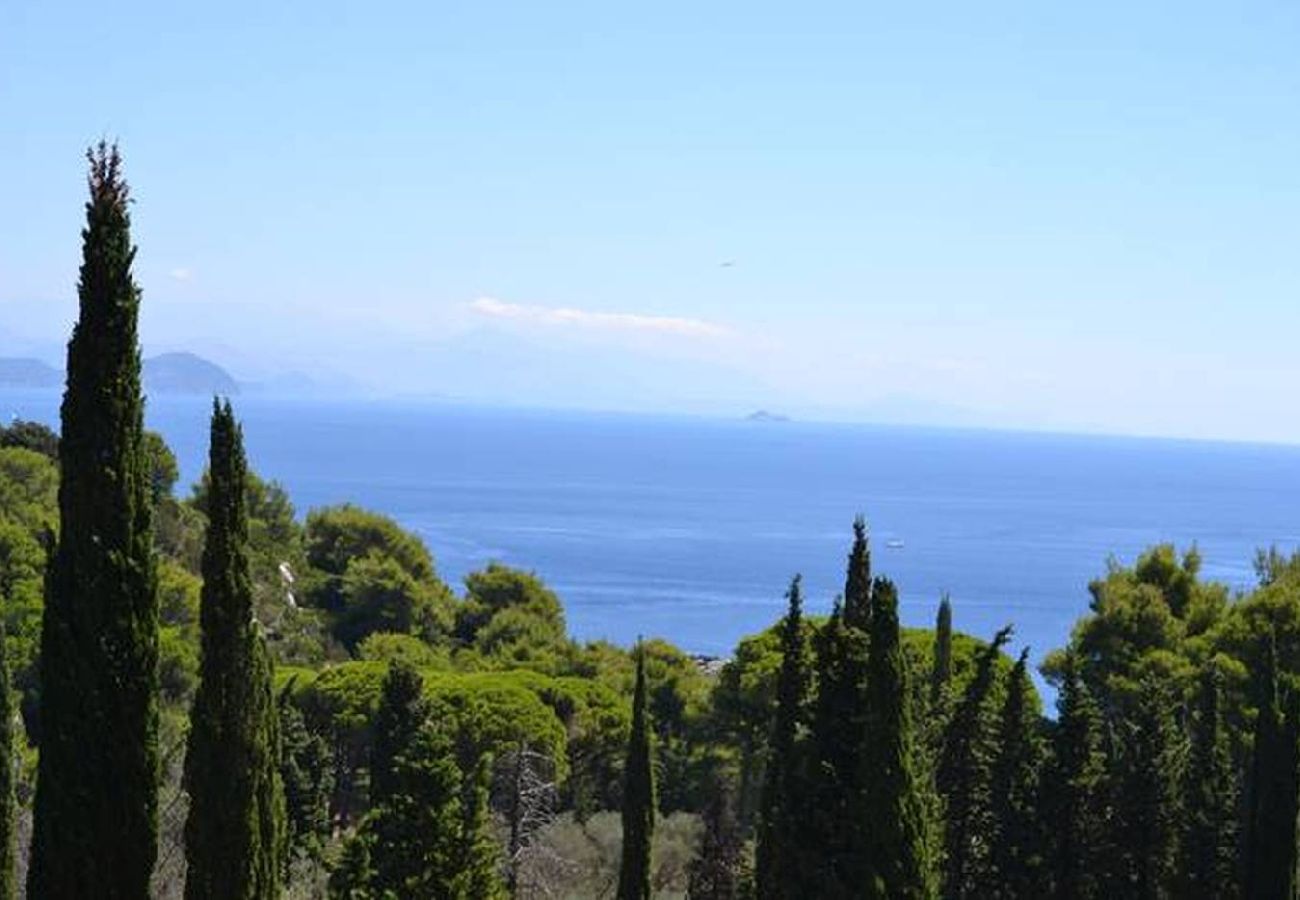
[210, 696]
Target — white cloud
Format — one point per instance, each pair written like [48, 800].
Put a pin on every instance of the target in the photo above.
[181, 273]
[594, 319]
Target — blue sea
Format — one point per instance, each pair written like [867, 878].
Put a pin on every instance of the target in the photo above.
[691, 529]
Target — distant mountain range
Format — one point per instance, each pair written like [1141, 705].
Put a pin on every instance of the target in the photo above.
[166, 373]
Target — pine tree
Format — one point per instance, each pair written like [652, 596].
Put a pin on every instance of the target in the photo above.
[781, 820]
[941, 672]
[96, 809]
[8, 802]
[899, 856]
[1270, 870]
[235, 831]
[1076, 779]
[857, 587]
[1209, 847]
[480, 869]
[638, 797]
[1018, 835]
[965, 778]
[1146, 803]
[718, 870]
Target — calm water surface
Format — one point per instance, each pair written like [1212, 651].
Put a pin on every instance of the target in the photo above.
[691, 529]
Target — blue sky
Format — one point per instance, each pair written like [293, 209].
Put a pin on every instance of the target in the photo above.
[1076, 216]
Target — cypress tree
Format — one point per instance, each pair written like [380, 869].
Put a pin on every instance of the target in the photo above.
[1146, 803]
[1017, 843]
[235, 829]
[857, 587]
[8, 835]
[96, 809]
[480, 859]
[1270, 870]
[965, 776]
[307, 772]
[638, 797]
[834, 832]
[401, 713]
[777, 856]
[415, 837]
[1209, 847]
[899, 856]
[1077, 777]
[941, 672]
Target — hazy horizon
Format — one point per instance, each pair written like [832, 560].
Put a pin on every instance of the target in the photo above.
[1052, 219]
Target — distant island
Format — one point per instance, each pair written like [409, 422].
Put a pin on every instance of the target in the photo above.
[763, 415]
[166, 373]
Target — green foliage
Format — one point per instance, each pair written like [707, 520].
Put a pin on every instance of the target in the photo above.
[376, 594]
[337, 535]
[964, 779]
[8, 799]
[1150, 756]
[638, 798]
[777, 860]
[1211, 792]
[1075, 802]
[1270, 854]
[31, 436]
[901, 860]
[307, 773]
[941, 670]
[235, 830]
[720, 870]
[163, 468]
[95, 828]
[480, 865]
[387, 646]
[857, 585]
[1017, 854]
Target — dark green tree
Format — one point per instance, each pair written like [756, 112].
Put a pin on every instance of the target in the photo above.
[857, 586]
[718, 871]
[1146, 803]
[1209, 846]
[1270, 863]
[638, 797]
[941, 671]
[415, 836]
[307, 771]
[965, 778]
[8, 802]
[96, 809]
[480, 862]
[1075, 804]
[235, 830]
[781, 814]
[1018, 835]
[900, 858]
[401, 713]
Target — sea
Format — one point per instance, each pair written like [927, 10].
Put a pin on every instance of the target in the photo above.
[691, 529]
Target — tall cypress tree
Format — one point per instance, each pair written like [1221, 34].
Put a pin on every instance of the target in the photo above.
[638, 797]
[899, 856]
[8, 835]
[1018, 835]
[781, 820]
[1075, 804]
[1146, 803]
[96, 810]
[857, 586]
[1270, 870]
[941, 671]
[1209, 847]
[235, 830]
[965, 778]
